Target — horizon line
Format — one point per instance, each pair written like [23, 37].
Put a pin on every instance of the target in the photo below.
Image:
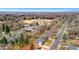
[39, 9]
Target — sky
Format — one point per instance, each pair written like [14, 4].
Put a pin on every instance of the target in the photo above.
[40, 9]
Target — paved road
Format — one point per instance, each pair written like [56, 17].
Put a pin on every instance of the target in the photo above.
[55, 44]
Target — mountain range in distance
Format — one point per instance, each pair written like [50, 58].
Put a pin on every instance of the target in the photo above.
[38, 13]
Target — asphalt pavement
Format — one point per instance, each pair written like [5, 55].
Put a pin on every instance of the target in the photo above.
[55, 44]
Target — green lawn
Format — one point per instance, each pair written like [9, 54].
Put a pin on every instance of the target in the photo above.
[48, 42]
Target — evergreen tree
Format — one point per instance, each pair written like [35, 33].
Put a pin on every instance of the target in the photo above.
[3, 27]
[21, 41]
[5, 40]
[16, 40]
[26, 40]
[7, 29]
